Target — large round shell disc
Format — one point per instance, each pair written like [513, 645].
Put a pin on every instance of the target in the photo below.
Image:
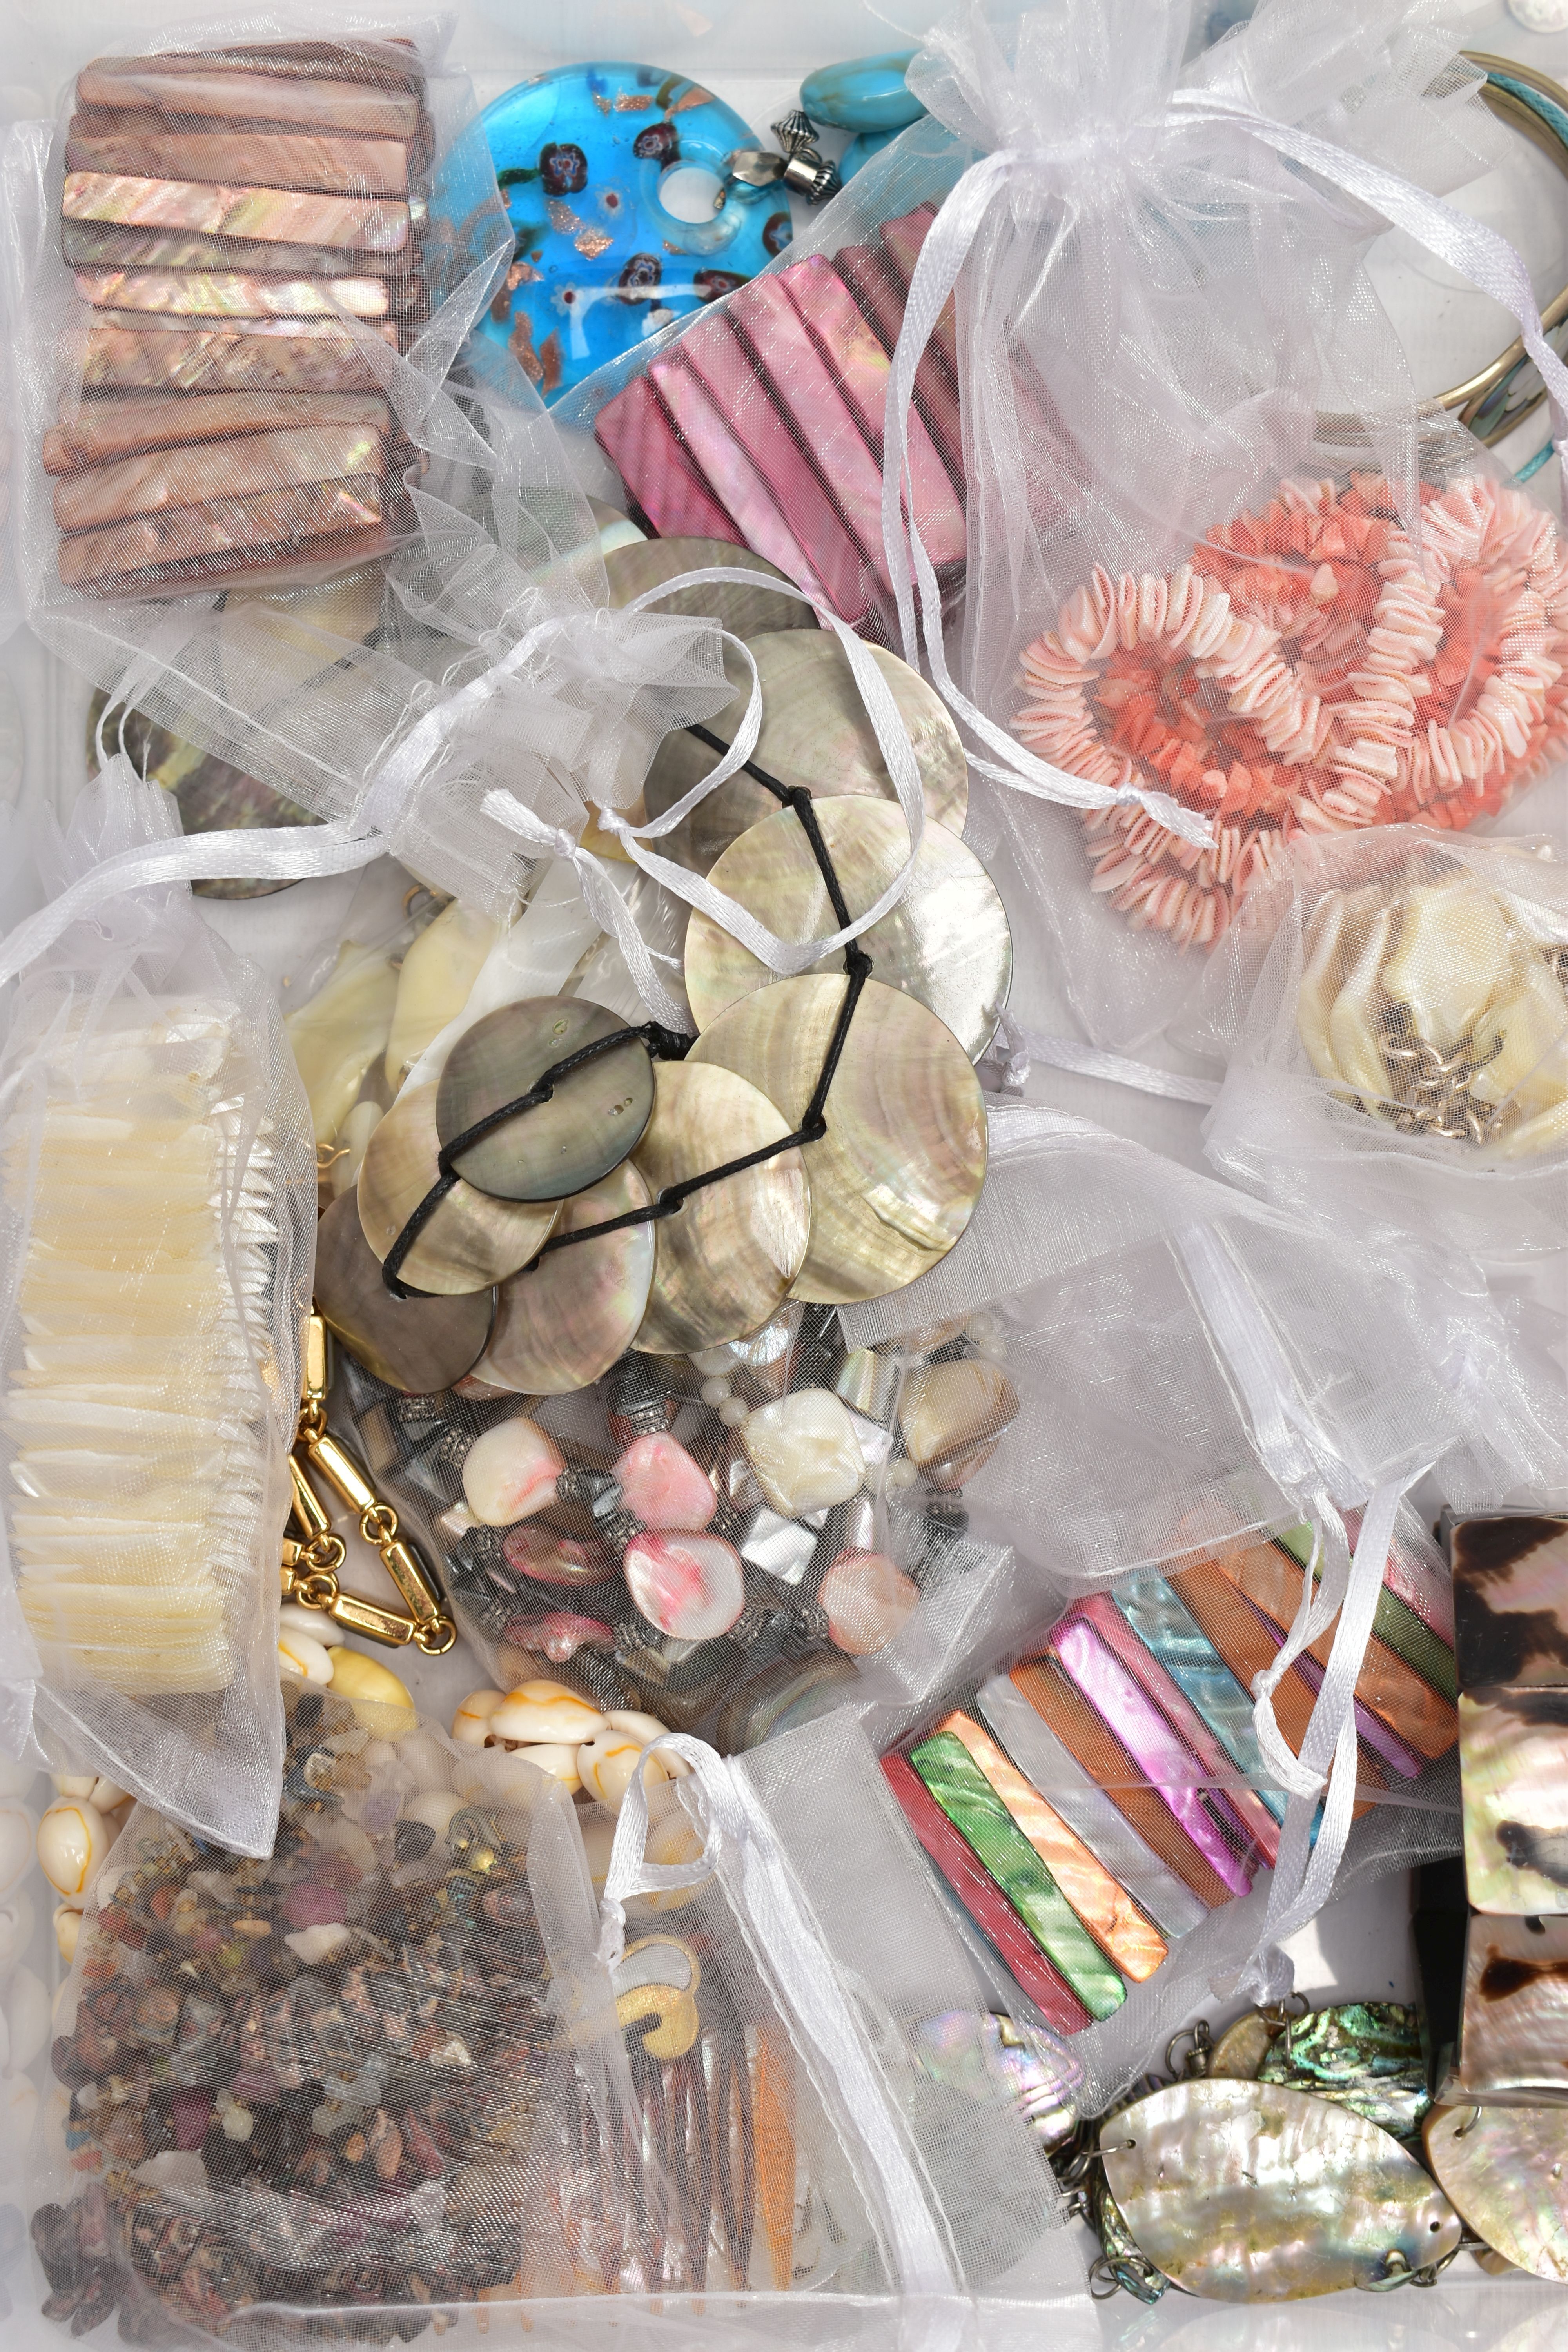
[895, 1179]
[746, 609]
[470, 1242]
[419, 1345]
[947, 943]
[1252, 2193]
[561, 1326]
[591, 1122]
[815, 732]
[1506, 2168]
[726, 1259]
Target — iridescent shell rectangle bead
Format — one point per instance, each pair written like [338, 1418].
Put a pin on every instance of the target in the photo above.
[1510, 1600]
[1513, 2029]
[978, 1813]
[983, 1900]
[287, 215]
[225, 535]
[194, 474]
[187, 86]
[230, 294]
[1050, 1767]
[1513, 1777]
[102, 430]
[299, 160]
[1065, 1711]
[152, 357]
[1163, 1759]
[1407, 1705]
[1106, 1910]
[128, 245]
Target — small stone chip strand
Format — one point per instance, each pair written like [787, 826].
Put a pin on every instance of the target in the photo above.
[1308, 670]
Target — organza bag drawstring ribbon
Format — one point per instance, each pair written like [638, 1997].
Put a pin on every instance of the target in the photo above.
[1298, 1457]
[1486, 260]
[738, 1842]
[343, 846]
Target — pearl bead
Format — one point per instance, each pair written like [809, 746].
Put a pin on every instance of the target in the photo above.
[471, 1724]
[715, 1392]
[74, 1784]
[73, 1845]
[900, 1477]
[734, 1413]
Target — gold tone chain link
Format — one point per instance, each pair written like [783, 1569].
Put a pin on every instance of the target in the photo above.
[310, 1569]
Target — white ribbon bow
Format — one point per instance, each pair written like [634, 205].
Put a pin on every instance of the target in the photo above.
[1295, 1453]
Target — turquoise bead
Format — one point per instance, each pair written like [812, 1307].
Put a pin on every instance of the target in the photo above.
[861, 150]
[582, 154]
[862, 94]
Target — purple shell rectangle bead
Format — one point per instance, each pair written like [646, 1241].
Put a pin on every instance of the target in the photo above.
[1150, 1740]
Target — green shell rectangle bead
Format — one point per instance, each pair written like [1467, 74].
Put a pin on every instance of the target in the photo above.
[979, 1815]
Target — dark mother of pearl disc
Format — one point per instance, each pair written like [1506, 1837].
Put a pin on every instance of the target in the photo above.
[419, 1345]
[470, 1241]
[593, 1119]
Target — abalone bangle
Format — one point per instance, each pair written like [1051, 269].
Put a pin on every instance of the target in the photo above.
[1501, 395]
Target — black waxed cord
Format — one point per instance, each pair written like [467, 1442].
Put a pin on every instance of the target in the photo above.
[663, 1045]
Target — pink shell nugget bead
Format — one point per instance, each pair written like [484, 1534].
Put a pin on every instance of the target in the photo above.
[867, 1598]
[663, 1486]
[510, 1472]
[551, 1557]
[689, 1586]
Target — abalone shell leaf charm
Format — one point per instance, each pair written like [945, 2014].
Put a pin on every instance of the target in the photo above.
[1506, 2170]
[1365, 2055]
[419, 1345]
[593, 1119]
[1250, 2193]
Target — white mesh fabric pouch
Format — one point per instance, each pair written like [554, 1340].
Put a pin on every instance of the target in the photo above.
[1395, 1024]
[917, 2186]
[268, 492]
[159, 1204]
